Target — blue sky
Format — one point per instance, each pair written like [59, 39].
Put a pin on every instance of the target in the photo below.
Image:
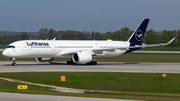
[88, 15]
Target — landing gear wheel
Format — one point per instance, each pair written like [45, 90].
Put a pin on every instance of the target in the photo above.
[71, 63]
[68, 62]
[14, 64]
[92, 63]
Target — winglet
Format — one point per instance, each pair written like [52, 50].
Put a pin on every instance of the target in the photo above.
[170, 41]
[153, 45]
[54, 38]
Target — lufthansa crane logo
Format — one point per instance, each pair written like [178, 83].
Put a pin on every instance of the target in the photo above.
[139, 35]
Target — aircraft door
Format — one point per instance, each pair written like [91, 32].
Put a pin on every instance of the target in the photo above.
[9, 52]
[24, 47]
[53, 47]
[96, 46]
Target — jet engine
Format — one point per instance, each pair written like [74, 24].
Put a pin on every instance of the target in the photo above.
[44, 59]
[82, 57]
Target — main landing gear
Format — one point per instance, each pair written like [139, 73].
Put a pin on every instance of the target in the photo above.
[71, 63]
[13, 63]
[92, 63]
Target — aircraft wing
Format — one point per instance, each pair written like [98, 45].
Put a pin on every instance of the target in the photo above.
[136, 46]
[152, 45]
[100, 50]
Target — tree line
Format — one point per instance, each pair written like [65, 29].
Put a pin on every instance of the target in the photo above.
[123, 34]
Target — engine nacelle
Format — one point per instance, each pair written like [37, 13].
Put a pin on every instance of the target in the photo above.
[82, 57]
[44, 59]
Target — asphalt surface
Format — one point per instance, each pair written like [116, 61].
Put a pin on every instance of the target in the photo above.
[5, 66]
[30, 97]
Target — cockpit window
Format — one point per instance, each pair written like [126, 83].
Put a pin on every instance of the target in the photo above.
[10, 46]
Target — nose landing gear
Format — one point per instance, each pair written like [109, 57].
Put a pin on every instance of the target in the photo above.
[13, 63]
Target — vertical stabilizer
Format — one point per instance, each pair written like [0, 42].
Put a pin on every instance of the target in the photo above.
[138, 35]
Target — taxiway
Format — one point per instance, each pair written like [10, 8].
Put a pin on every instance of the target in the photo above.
[23, 66]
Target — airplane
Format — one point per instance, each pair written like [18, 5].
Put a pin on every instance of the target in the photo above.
[79, 52]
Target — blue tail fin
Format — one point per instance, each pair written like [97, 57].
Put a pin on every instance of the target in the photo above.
[138, 35]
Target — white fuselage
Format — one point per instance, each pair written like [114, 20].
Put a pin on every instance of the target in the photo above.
[58, 48]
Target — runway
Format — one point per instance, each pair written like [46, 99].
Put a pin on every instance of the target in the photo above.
[22, 66]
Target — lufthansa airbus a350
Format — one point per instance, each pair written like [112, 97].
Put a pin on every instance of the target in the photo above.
[79, 52]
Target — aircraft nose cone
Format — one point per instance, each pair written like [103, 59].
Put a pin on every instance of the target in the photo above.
[5, 53]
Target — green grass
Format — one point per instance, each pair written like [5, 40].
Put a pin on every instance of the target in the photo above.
[123, 82]
[6, 86]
